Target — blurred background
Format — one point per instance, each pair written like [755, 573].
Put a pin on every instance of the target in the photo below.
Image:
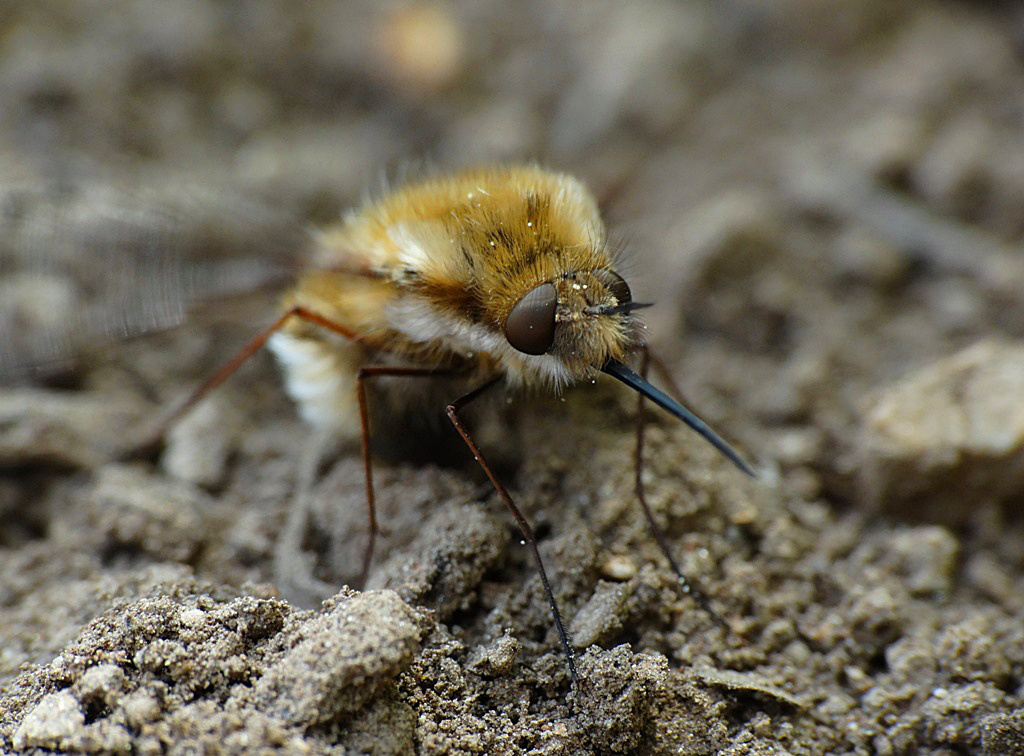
[819, 196]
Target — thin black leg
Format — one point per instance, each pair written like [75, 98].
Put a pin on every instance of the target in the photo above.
[524, 526]
[684, 584]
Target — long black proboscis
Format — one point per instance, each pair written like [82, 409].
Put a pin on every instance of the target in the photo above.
[637, 383]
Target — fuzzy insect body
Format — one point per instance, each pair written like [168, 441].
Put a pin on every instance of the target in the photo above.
[491, 275]
[430, 274]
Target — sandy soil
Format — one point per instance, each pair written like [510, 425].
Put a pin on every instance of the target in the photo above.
[826, 202]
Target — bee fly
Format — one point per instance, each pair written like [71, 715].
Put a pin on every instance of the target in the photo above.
[500, 274]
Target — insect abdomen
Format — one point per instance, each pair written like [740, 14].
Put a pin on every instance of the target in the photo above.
[320, 379]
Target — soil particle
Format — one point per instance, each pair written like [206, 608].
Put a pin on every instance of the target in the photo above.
[192, 668]
[198, 447]
[601, 617]
[497, 658]
[1003, 733]
[129, 511]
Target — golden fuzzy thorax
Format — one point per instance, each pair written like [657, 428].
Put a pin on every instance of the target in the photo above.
[428, 274]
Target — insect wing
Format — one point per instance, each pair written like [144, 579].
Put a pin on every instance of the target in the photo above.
[81, 268]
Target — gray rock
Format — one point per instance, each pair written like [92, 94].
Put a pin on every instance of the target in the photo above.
[946, 440]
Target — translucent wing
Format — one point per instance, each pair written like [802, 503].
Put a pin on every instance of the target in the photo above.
[82, 266]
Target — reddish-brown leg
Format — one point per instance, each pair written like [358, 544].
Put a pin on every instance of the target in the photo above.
[257, 343]
[524, 526]
[364, 374]
[684, 584]
[153, 443]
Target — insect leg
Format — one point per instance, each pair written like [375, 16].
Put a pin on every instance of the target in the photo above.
[684, 584]
[524, 526]
[155, 440]
[363, 375]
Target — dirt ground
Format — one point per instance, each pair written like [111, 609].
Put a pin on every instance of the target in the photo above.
[824, 200]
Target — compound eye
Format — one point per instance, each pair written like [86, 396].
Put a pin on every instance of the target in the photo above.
[617, 286]
[530, 327]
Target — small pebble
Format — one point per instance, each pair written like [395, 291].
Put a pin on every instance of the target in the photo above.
[618, 567]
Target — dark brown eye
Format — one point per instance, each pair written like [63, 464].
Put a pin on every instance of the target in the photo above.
[617, 286]
[530, 327]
